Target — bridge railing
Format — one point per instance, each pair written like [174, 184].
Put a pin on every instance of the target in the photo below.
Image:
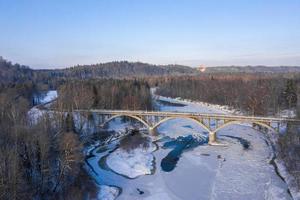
[191, 114]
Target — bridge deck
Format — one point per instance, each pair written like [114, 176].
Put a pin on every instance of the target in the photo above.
[191, 115]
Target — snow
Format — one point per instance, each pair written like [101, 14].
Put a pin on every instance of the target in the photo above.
[288, 178]
[108, 192]
[34, 114]
[50, 96]
[45, 97]
[206, 172]
[118, 125]
[134, 163]
[83, 125]
[288, 113]
[193, 106]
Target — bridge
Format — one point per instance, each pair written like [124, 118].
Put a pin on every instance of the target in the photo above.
[211, 123]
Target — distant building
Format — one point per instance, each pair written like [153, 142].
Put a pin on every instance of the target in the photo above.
[202, 68]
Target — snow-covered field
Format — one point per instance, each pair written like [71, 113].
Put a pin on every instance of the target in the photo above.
[204, 172]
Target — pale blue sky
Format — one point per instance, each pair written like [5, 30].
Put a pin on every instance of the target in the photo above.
[61, 33]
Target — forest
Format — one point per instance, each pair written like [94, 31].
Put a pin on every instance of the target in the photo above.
[16, 73]
[45, 160]
[253, 94]
[105, 94]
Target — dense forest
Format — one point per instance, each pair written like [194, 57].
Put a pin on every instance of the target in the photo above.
[38, 160]
[121, 69]
[45, 161]
[12, 73]
[254, 94]
[105, 94]
[252, 69]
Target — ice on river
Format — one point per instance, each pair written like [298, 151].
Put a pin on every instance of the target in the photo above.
[205, 172]
[133, 163]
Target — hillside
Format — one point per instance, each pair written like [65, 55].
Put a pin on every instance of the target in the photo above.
[252, 69]
[13, 73]
[121, 69]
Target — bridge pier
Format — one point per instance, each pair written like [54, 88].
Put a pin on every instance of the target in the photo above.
[152, 131]
[212, 138]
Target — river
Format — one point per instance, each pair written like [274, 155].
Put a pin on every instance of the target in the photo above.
[180, 165]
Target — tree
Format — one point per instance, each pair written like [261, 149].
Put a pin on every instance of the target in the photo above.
[290, 93]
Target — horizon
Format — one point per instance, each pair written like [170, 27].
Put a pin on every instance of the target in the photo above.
[201, 66]
[55, 34]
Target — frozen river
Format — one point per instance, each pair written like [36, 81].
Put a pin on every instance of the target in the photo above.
[180, 165]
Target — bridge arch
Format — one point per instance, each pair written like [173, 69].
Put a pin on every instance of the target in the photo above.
[130, 116]
[181, 117]
[240, 122]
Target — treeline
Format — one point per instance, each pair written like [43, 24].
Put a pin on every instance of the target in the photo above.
[255, 94]
[40, 160]
[119, 69]
[105, 94]
[16, 73]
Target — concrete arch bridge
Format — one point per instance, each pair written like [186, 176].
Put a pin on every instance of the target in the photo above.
[211, 123]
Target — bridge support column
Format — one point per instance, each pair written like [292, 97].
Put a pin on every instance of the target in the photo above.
[212, 138]
[152, 131]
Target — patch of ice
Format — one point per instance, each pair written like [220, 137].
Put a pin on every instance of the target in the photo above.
[132, 163]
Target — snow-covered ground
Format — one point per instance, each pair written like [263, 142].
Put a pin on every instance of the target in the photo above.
[46, 97]
[289, 113]
[192, 106]
[205, 172]
[35, 113]
[107, 192]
